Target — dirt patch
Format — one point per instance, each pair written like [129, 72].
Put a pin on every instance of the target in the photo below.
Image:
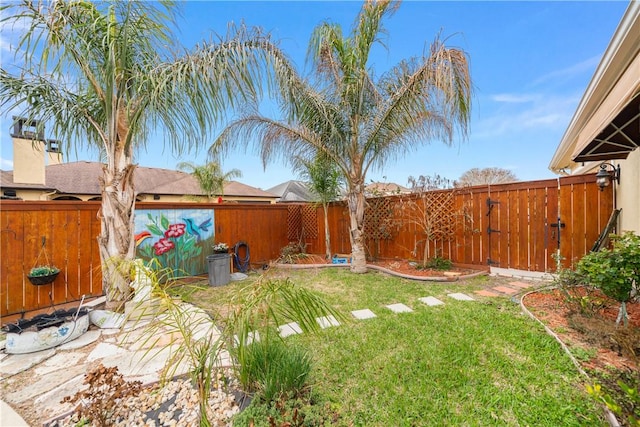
[591, 329]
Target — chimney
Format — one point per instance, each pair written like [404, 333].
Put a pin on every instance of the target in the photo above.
[28, 151]
[54, 154]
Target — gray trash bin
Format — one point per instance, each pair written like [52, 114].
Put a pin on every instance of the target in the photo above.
[219, 269]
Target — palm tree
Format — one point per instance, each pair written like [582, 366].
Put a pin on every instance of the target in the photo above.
[210, 177]
[108, 74]
[358, 122]
[324, 180]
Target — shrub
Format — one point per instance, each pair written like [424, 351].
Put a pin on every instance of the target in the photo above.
[438, 263]
[578, 295]
[291, 253]
[616, 271]
[107, 391]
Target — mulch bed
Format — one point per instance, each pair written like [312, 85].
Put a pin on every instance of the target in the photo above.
[616, 346]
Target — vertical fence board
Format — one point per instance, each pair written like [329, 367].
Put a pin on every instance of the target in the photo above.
[12, 266]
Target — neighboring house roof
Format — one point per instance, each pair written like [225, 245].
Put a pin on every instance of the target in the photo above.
[606, 124]
[6, 181]
[385, 189]
[83, 178]
[292, 191]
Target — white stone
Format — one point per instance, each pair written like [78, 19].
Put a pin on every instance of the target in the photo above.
[399, 308]
[59, 361]
[104, 350]
[46, 383]
[430, 301]
[49, 402]
[83, 340]
[460, 297]
[139, 363]
[327, 321]
[17, 363]
[238, 276]
[107, 319]
[289, 329]
[363, 314]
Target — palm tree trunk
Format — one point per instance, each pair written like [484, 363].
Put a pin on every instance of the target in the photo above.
[115, 242]
[327, 235]
[356, 202]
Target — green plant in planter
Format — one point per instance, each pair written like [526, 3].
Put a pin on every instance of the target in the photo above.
[43, 270]
[616, 271]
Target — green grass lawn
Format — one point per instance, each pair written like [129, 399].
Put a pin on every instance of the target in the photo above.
[463, 364]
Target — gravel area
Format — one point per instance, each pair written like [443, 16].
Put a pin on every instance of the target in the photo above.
[175, 404]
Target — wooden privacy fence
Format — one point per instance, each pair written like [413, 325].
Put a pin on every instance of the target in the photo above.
[518, 225]
[70, 230]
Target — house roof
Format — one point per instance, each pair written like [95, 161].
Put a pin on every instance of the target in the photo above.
[386, 188]
[6, 181]
[606, 123]
[292, 191]
[83, 178]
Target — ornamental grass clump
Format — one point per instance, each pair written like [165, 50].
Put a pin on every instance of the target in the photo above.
[275, 369]
[615, 271]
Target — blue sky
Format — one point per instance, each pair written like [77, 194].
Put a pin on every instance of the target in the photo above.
[530, 64]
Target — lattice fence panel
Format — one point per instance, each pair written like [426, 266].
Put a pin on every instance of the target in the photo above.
[294, 222]
[434, 214]
[379, 218]
[310, 221]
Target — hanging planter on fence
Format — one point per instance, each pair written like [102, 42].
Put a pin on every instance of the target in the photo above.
[43, 274]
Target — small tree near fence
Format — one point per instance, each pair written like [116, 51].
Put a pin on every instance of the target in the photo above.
[434, 215]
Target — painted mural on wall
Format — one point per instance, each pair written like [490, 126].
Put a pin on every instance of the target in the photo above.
[179, 239]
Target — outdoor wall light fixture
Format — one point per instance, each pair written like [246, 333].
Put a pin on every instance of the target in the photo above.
[604, 176]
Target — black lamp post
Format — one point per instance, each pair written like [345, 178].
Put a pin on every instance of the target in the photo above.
[604, 176]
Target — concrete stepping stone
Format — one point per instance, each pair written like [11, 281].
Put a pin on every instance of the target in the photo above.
[505, 290]
[460, 297]
[363, 314]
[430, 301]
[289, 329]
[399, 308]
[327, 321]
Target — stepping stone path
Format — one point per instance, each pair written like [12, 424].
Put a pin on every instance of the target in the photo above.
[508, 290]
[326, 322]
[497, 291]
